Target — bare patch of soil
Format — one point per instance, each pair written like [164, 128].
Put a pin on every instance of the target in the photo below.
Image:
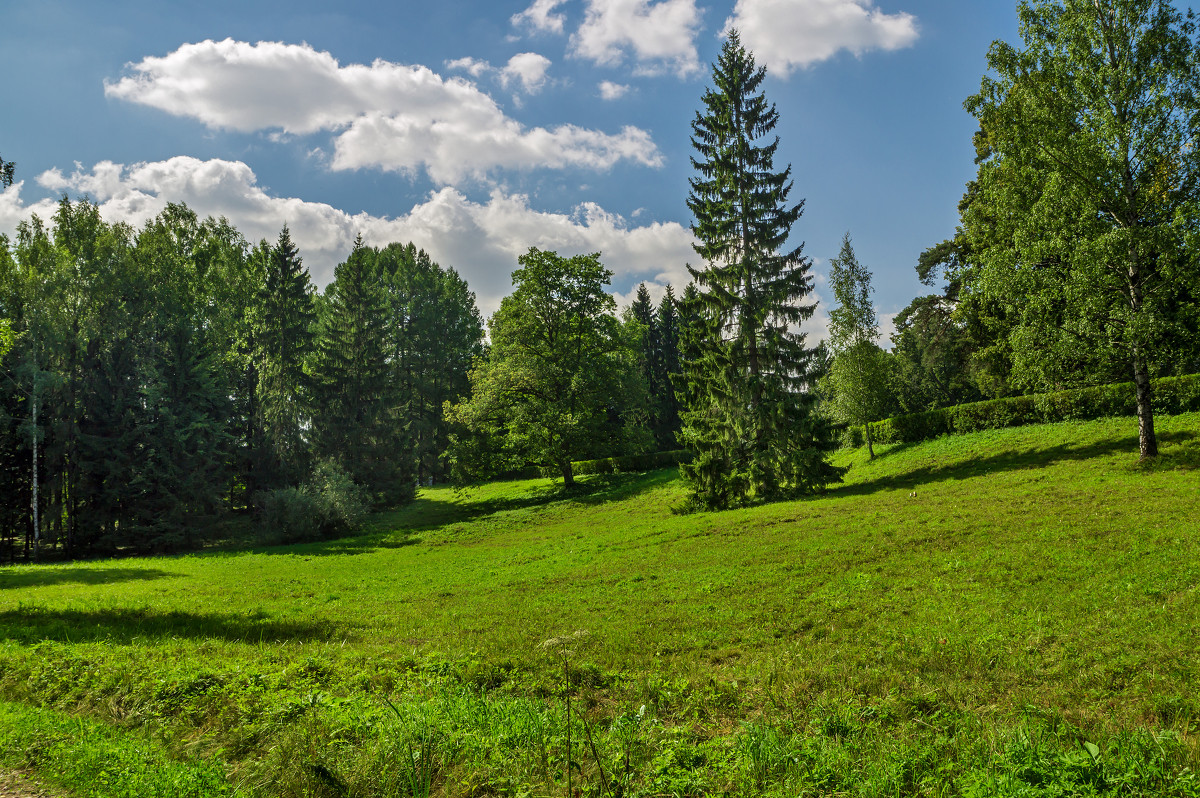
[19, 785]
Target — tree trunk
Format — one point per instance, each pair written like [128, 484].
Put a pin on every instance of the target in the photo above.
[1147, 441]
[870, 443]
[568, 475]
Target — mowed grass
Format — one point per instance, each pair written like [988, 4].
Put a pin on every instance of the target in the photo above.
[1004, 613]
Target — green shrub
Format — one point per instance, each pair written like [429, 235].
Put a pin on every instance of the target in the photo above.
[288, 515]
[341, 504]
[1171, 395]
[328, 505]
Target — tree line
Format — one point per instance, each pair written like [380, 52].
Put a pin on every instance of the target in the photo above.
[160, 381]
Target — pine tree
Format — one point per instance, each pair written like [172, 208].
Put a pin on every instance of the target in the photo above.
[750, 419]
[285, 343]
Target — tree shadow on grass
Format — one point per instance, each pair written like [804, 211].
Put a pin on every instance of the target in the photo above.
[396, 528]
[34, 624]
[604, 488]
[1186, 454]
[40, 576]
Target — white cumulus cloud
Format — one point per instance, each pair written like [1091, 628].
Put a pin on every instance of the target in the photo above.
[527, 69]
[382, 116]
[612, 91]
[786, 34]
[475, 67]
[540, 17]
[658, 36]
[482, 240]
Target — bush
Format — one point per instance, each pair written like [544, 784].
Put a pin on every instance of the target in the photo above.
[342, 504]
[1171, 395]
[288, 515]
[328, 505]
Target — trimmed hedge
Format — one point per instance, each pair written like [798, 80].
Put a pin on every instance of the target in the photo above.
[1171, 395]
[629, 463]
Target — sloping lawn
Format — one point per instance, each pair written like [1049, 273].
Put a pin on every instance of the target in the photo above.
[1003, 613]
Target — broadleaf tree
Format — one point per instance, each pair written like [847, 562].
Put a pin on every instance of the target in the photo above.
[858, 383]
[749, 416]
[544, 390]
[1087, 197]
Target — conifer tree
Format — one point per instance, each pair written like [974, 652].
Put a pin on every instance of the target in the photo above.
[352, 383]
[645, 345]
[749, 418]
[285, 345]
[664, 366]
[434, 334]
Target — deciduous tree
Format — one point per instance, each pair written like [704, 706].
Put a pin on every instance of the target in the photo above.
[859, 377]
[554, 367]
[1088, 192]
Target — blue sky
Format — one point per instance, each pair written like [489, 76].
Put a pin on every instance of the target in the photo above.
[479, 129]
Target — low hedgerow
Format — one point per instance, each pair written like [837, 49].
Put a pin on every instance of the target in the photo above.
[626, 464]
[1171, 395]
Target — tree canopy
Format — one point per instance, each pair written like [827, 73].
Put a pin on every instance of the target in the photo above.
[858, 385]
[1087, 191]
[554, 370]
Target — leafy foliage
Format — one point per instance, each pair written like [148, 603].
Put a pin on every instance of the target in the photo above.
[858, 385]
[179, 376]
[1087, 192]
[551, 381]
[1172, 395]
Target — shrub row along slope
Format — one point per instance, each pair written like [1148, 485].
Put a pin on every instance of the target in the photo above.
[1172, 395]
[1007, 612]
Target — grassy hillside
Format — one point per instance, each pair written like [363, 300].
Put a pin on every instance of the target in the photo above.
[1004, 613]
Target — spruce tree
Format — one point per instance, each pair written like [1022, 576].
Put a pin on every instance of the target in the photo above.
[750, 418]
[352, 383]
[664, 367]
[645, 344]
[285, 344]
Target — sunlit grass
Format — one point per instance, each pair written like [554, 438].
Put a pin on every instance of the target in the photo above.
[956, 615]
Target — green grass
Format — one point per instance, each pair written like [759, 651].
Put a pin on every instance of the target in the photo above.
[1004, 613]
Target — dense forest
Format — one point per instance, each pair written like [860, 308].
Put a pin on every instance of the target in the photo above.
[163, 383]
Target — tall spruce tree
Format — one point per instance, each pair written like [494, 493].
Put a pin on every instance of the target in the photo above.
[353, 386]
[750, 419]
[664, 366]
[285, 342]
[644, 343]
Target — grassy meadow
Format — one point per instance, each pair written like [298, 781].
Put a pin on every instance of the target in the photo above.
[1013, 612]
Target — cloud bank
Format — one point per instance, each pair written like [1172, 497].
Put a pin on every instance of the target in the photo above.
[480, 239]
[382, 116]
